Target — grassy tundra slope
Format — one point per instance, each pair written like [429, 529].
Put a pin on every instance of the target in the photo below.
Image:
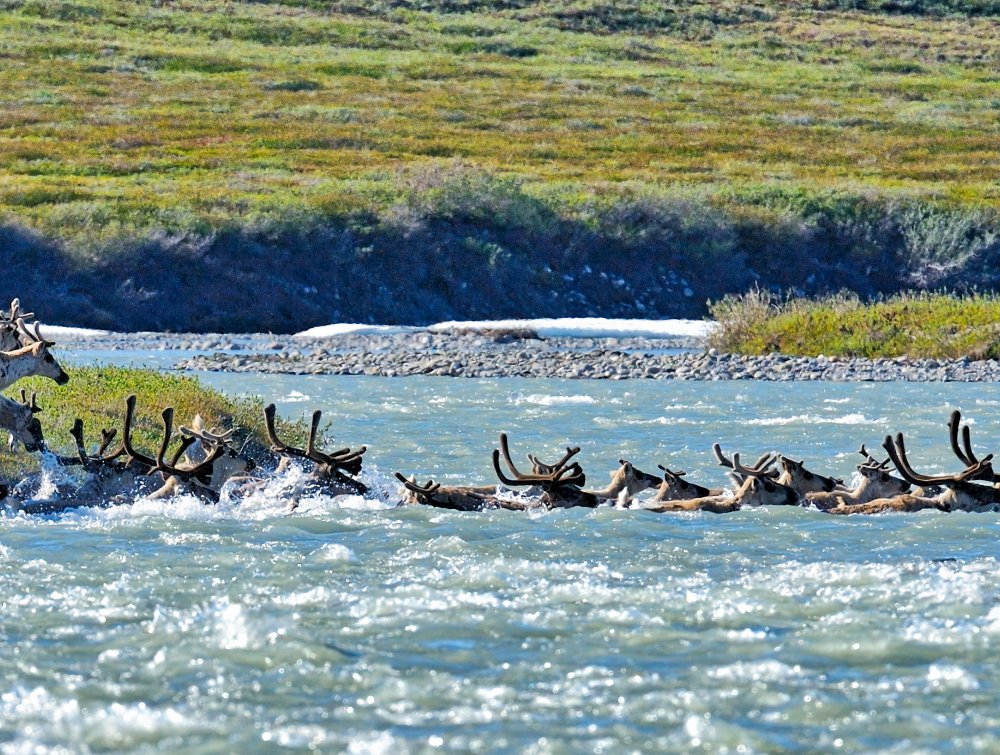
[163, 164]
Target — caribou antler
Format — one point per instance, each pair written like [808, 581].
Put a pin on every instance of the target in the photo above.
[426, 490]
[134, 455]
[16, 313]
[761, 467]
[757, 470]
[965, 454]
[343, 460]
[32, 337]
[561, 475]
[897, 452]
[199, 470]
[871, 462]
[88, 462]
[540, 467]
[32, 404]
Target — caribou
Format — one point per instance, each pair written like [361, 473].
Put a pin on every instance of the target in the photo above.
[562, 483]
[795, 475]
[332, 473]
[757, 489]
[874, 482]
[958, 492]
[674, 488]
[21, 422]
[456, 497]
[33, 358]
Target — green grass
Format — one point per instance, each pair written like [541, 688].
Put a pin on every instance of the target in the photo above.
[97, 396]
[927, 325]
[123, 119]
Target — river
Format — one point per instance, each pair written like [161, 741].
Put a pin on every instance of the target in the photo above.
[350, 625]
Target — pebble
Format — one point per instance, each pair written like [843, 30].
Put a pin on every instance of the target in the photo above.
[473, 356]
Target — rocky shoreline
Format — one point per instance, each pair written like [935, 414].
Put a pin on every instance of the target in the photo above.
[478, 356]
[492, 355]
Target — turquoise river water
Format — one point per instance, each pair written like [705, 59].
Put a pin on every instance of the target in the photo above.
[353, 626]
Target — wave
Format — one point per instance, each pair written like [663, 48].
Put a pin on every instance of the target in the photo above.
[544, 400]
[813, 419]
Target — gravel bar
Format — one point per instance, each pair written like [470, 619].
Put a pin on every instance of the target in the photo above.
[611, 359]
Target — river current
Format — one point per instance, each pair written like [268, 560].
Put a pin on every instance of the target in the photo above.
[350, 625]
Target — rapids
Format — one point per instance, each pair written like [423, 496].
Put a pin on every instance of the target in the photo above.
[351, 625]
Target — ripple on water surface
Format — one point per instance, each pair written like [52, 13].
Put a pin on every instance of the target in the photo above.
[353, 625]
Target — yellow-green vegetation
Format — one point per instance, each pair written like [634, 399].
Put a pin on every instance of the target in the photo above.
[97, 396]
[936, 326]
[120, 117]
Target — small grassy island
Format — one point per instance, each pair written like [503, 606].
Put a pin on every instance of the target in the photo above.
[933, 326]
[97, 396]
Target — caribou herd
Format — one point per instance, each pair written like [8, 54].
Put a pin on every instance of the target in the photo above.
[210, 465]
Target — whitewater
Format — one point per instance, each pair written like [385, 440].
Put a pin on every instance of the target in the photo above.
[353, 625]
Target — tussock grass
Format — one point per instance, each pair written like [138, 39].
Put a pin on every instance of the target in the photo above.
[201, 109]
[97, 396]
[927, 325]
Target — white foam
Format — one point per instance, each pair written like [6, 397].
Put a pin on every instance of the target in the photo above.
[812, 419]
[543, 400]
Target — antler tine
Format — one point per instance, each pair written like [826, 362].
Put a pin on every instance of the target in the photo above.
[723, 461]
[871, 462]
[31, 403]
[276, 445]
[427, 489]
[77, 432]
[170, 469]
[953, 424]
[981, 470]
[500, 473]
[168, 431]
[222, 437]
[311, 441]
[346, 454]
[186, 443]
[23, 330]
[272, 436]
[15, 311]
[897, 452]
[127, 435]
[505, 450]
[571, 475]
[350, 463]
[107, 436]
[540, 467]
[739, 468]
[967, 442]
